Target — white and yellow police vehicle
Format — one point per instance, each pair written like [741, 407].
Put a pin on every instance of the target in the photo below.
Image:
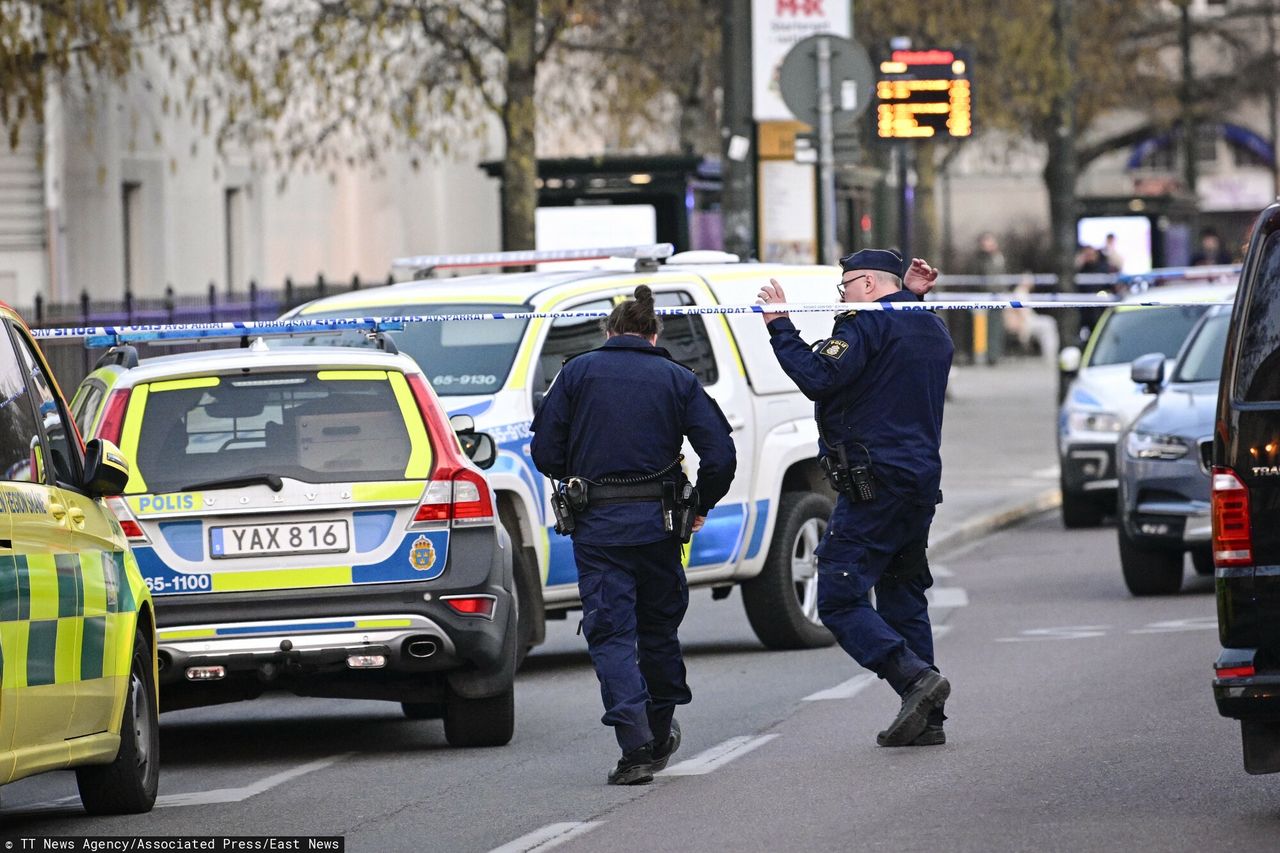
[761, 537]
[77, 659]
[308, 520]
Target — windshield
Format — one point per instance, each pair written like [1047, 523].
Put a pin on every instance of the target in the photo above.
[1129, 334]
[319, 426]
[1202, 360]
[458, 357]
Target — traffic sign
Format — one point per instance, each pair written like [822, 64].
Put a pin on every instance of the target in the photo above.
[852, 79]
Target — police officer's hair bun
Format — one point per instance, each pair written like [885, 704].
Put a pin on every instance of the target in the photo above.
[635, 316]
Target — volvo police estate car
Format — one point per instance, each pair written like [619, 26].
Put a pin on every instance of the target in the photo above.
[77, 643]
[307, 520]
[761, 537]
[1102, 399]
[1163, 463]
[1246, 504]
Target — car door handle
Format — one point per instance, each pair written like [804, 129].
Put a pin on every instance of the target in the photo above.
[57, 510]
[77, 515]
[736, 422]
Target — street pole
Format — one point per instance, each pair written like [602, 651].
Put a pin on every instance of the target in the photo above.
[903, 153]
[738, 200]
[1273, 103]
[1189, 130]
[826, 157]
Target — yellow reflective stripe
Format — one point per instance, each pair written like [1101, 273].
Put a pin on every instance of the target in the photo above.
[66, 656]
[281, 579]
[13, 637]
[129, 437]
[383, 623]
[419, 467]
[340, 375]
[192, 634]
[117, 645]
[94, 582]
[185, 384]
[376, 492]
[42, 575]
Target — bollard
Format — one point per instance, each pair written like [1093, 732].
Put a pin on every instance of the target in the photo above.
[84, 306]
[253, 299]
[39, 308]
[981, 354]
[355, 281]
[320, 283]
[128, 307]
[213, 302]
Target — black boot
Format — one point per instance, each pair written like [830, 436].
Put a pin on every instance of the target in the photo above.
[926, 693]
[634, 768]
[662, 754]
[933, 734]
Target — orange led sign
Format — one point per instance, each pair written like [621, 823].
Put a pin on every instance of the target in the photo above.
[922, 94]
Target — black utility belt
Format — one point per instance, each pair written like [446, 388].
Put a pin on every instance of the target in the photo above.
[854, 479]
[574, 495]
[606, 493]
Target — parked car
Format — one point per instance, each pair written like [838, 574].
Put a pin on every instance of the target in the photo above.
[761, 537]
[77, 637]
[1246, 505]
[1102, 399]
[307, 521]
[1163, 466]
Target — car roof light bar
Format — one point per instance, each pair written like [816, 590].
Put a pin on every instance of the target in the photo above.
[425, 264]
[110, 336]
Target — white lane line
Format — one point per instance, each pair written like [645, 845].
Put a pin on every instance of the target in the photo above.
[941, 572]
[947, 596]
[551, 835]
[717, 756]
[236, 795]
[848, 690]
[1196, 623]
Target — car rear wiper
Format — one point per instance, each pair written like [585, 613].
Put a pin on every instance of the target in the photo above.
[271, 480]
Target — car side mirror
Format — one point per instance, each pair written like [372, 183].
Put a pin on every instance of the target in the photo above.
[106, 471]
[480, 447]
[1069, 359]
[462, 423]
[1148, 371]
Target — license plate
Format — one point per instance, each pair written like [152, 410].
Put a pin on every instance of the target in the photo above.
[310, 537]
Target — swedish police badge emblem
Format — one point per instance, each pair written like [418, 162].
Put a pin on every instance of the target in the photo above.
[423, 554]
[835, 348]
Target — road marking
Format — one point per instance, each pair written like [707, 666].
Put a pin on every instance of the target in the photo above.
[1196, 623]
[1050, 473]
[236, 795]
[847, 690]
[717, 756]
[551, 835]
[1070, 632]
[947, 596]
[941, 572]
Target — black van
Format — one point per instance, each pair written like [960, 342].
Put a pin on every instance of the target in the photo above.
[1246, 504]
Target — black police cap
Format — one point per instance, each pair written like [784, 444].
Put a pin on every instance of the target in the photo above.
[884, 260]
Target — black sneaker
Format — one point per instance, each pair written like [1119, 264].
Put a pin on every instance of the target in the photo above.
[663, 753]
[927, 692]
[634, 768]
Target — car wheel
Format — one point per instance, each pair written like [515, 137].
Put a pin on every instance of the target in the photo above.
[480, 722]
[1202, 561]
[1078, 511]
[1148, 571]
[782, 601]
[128, 784]
[528, 600]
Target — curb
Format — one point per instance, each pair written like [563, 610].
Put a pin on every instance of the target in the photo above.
[985, 525]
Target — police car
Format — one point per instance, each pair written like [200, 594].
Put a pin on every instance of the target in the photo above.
[761, 537]
[309, 521]
[77, 659]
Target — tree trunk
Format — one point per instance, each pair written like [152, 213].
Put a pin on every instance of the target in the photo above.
[1060, 181]
[520, 162]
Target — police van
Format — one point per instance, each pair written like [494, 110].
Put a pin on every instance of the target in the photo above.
[761, 537]
[77, 637]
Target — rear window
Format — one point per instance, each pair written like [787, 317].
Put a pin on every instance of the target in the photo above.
[1138, 331]
[1258, 364]
[319, 427]
[458, 357]
[1203, 359]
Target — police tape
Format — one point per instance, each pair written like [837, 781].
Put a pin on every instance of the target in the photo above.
[97, 336]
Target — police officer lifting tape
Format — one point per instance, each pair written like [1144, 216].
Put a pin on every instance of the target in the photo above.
[609, 434]
[878, 384]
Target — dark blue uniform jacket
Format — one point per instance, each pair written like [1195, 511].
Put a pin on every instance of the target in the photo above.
[880, 380]
[623, 410]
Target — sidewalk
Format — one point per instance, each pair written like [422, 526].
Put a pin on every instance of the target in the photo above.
[999, 462]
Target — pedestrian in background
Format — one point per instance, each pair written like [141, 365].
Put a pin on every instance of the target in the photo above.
[1211, 252]
[879, 383]
[614, 420]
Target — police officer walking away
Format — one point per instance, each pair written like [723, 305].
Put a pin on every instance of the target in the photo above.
[609, 434]
[879, 383]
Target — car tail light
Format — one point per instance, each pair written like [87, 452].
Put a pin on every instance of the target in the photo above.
[113, 415]
[1232, 532]
[1236, 671]
[460, 496]
[132, 529]
[471, 605]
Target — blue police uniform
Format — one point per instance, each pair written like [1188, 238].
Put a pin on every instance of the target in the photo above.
[617, 412]
[879, 383]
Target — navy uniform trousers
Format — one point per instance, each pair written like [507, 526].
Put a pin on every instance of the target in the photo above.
[633, 600]
[878, 545]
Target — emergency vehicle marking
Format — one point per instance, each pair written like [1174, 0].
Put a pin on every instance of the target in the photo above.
[423, 555]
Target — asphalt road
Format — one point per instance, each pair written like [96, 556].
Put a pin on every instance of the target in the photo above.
[1081, 720]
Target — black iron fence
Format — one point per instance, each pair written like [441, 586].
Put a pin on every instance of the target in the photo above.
[72, 361]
